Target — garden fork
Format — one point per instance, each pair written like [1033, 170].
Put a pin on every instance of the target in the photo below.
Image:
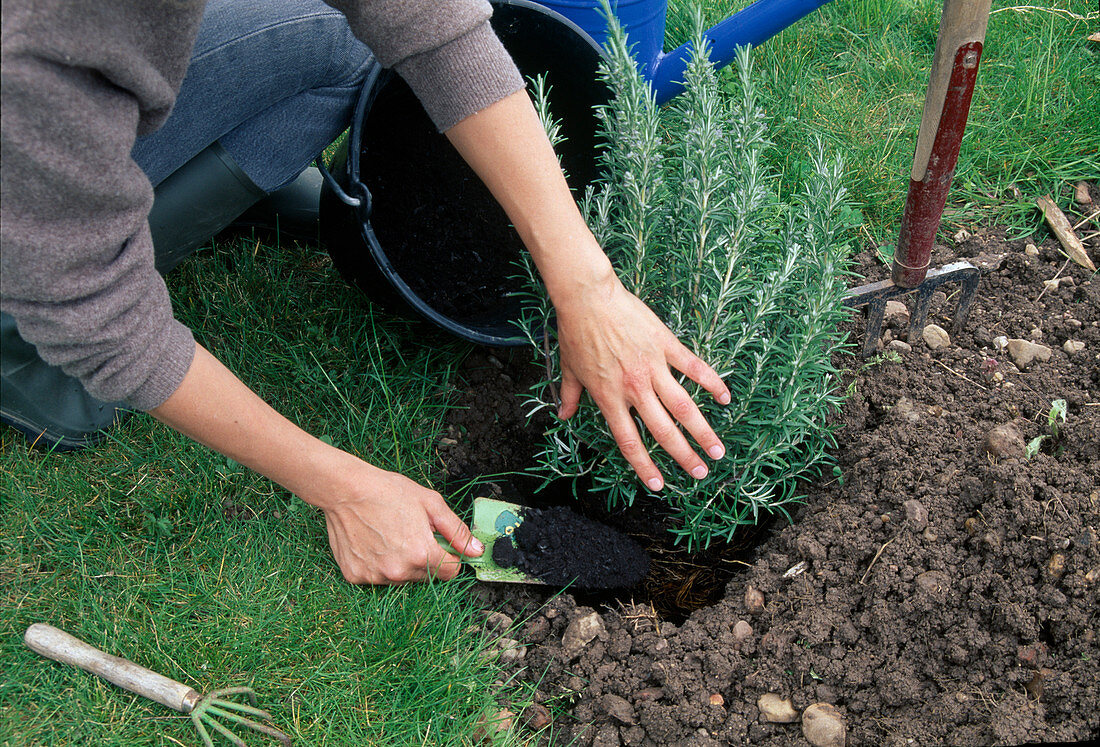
[204, 711]
[946, 106]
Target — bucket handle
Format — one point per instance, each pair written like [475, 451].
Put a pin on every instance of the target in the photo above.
[363, 202]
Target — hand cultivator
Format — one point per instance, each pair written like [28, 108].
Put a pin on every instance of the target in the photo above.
[205, 711]
[946, 106]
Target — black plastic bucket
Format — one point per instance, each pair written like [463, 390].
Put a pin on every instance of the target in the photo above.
[412, 226]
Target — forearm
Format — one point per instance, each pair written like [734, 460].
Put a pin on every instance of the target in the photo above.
[507, 147]
[215, 408]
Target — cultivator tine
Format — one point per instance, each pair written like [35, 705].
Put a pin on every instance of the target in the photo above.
[875, 295]
[215, 706]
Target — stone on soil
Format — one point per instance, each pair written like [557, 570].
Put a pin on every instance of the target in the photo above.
[823, 726]
[1023, 352]
[716, 699]
[536, 717]
[580, 633]
[900, 346]
[776, 710]
[1005, 441]
[742, 631]
[896, 314]
[1073, 347]
[916, 513]
[1031, 250]
[936, 337]
[932, 582]
[511, 651]
[1081, 193]
[497, 623]
[754, 600]
[618, 709]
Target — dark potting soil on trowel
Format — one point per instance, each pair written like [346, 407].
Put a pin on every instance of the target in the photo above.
[561, 547]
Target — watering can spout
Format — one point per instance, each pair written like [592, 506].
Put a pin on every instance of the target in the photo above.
[751, 26]
[644, 23]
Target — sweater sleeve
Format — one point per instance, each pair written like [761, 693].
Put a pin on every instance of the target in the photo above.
[76, 267]
[444, 49]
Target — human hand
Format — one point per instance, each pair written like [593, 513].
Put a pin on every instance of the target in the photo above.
[380, 528]
[614, 346]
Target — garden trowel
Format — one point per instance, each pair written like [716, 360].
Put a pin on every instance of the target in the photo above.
[551, 546]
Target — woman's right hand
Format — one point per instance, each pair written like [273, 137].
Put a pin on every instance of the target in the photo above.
[380, 524]
[381, 527]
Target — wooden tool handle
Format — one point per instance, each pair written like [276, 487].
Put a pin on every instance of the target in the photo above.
[60, 646]
[946, 106]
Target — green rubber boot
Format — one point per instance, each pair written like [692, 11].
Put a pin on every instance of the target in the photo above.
[196, 202]
[51, 408]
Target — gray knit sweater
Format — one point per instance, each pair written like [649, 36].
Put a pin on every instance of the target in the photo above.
[82, 79]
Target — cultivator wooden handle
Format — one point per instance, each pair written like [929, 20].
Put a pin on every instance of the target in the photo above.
[946, 106]
[60, 646]
[206, 712]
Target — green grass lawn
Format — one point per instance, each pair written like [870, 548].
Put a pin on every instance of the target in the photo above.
[155, 548]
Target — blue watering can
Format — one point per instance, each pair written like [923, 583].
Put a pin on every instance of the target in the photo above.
[644, 23]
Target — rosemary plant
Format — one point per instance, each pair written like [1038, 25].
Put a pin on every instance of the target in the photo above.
[687, 212]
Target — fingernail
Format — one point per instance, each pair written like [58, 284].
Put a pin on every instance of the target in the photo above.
[654, 483]
[699, 472]
[724, 399]
[717, 451]
[476, 546]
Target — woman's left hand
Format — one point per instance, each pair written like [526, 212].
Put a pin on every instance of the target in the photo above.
[614, 346]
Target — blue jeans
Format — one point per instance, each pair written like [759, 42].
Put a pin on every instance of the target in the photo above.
[274, 82]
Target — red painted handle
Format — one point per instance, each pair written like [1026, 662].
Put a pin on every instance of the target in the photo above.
[924, 206]
[946, 107]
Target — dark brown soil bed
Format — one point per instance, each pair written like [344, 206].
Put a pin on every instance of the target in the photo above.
[933, 593]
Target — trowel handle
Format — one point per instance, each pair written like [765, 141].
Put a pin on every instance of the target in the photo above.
[60, 646]
[946, 106]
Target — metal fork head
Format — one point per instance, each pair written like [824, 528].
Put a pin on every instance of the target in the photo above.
[875, 295]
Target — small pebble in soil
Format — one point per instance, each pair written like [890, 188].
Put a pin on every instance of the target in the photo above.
[823, 726]
[618, 709]
[1056, 566]
[1023, 352]
[491, 725]
[580, 633]
[916, 513]
[511, 651]
[1073, 347]
[1081, 193]
[716, 699]
[896, 315]
[1004, 441]
[900, 346]
[754, 600]
[536, 717]
[497, 623]
[936, 337]
[742, 631]
[1055, 283]
[1031, 250]
[963, 235]
[904, 410]
[971, 526]
[775, 709]
[933, 582]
